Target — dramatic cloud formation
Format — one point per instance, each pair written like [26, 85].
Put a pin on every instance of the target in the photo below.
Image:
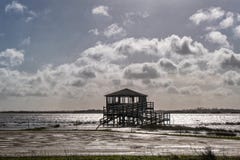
[174, 65]
[219, 21]
[228, 21]
[11, 57]
[232, 78]
[101, 10]
[218, 38]
[103, 64]
[168, 66]
[141, 71]
[71, 65]
[210, 14]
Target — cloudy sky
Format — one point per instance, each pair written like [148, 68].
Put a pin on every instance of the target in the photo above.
[67, 54]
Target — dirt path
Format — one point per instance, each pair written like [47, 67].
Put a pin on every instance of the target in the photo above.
[14, 143]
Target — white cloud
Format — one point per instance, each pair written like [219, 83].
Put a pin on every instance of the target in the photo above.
[131, 50]
[131, 17]
[173, 65]
[190, 90]
[15, 6]
[185, 45]
[102, 53]
[218, 20]
[209, 14]
[232, 61]
[223, 60]
[94, 31]
[172, 90]
[238, 17]
[231, 78]
[101, 10]
[187, 90]
[19, 84]
[228, 21]
[237, 31]
[26, 41]
[32, 13]
[31, 16]
[21, 8]
[141, 71]
[217, 37]
[221, 91]
[28, 19]
[11, 58]
[114, 31]
[188, 66]
[167, 65]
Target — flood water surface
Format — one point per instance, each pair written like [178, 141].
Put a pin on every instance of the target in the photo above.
[18, 121]
[62, 138]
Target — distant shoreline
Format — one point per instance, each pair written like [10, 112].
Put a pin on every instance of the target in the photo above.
[197, 111]
[80, 111]
[202, 110]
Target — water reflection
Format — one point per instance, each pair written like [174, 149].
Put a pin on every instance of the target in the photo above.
[90, 121]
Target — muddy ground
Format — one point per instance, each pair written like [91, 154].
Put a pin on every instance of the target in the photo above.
[31, 143]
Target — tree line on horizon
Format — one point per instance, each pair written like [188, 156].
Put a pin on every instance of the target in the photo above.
[196, 110]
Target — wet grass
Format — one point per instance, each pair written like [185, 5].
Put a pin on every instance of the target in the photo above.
[36, 129]
[204, 156]
[205, 136]
[196, 131]
[184, 128]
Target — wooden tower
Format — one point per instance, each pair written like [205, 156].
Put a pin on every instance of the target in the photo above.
[128, 108]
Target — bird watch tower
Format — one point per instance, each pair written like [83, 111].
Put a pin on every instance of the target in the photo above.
[128, 108]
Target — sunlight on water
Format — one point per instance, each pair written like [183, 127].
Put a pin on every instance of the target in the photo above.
[12, 121]
[65, 120]
[207, 120]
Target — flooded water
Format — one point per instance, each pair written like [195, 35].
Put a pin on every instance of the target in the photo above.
[18, 121]
[221, 121]
[62, 138]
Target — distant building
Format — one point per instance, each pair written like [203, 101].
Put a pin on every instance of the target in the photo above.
[128, 108]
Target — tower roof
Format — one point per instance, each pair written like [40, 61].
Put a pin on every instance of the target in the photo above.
[126, 92]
